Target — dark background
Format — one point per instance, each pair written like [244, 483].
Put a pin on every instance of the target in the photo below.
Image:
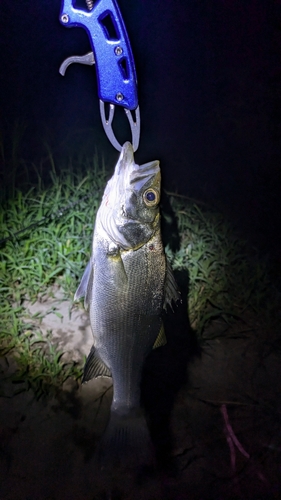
[209, 90]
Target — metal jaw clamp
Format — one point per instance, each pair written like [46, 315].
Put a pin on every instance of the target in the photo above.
[112, 54]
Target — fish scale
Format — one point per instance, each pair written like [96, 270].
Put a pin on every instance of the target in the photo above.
[129, 317]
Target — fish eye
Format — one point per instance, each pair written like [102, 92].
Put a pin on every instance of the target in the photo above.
[151, 197]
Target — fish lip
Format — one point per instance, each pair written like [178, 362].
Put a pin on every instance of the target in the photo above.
[136, 175]
[145, 171]
[126, 157]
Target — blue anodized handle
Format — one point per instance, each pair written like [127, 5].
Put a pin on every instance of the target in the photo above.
[116, 73]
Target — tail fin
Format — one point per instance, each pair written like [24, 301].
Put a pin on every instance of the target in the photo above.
[126, 442]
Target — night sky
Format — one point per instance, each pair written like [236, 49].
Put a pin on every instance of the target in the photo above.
[209, 77]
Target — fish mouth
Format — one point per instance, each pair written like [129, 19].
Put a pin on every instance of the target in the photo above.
[129, 174]
[141, 175]
[126, 158]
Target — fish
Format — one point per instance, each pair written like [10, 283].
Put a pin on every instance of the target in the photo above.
[126, 285]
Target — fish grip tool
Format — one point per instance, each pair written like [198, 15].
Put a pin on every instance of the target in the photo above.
[112, 55]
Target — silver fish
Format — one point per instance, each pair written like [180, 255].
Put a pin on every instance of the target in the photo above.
[126, 285]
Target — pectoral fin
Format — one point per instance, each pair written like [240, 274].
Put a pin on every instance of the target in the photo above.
[82, 288]
[161, 338]
[85, 287]
[171, 291]
[94, 367]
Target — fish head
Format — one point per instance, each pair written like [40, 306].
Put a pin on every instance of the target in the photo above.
[129, 212]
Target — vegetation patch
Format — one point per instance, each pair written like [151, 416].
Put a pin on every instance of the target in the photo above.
[46, 236]
[228, 279]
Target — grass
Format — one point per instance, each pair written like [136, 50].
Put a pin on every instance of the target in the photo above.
[226, 281]
[52, 253]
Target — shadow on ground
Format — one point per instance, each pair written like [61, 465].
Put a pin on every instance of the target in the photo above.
[165, 373]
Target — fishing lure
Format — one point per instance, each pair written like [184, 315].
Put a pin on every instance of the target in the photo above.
[112, 55]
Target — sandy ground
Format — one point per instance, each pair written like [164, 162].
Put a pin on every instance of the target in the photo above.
[213, 412]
